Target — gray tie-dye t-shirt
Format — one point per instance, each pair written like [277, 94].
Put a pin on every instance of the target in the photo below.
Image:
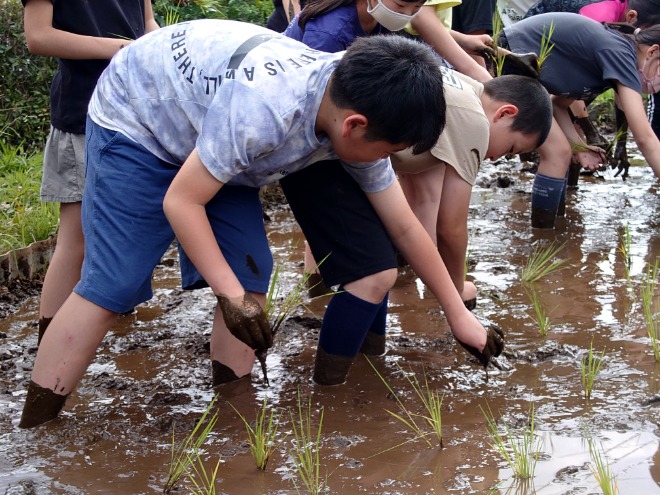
[245, 97]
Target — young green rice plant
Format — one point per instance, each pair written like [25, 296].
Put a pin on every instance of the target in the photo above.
[431, 400]
[625, 243]
[589, 369]
[546, 44]
[261, 434]
[498, 59]
[648, 293]
[520, 450]
[306, 449]
[186, 454]
[601, 468]
[542, 262]
[540, 316]
[203, 482]
[280, 303]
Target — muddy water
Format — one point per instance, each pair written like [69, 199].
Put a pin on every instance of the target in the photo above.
[152, 375]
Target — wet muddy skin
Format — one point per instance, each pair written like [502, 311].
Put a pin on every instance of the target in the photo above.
[153, 375]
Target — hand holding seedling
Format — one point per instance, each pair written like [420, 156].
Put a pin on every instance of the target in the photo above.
[246, 321]
[591, 157]
[620, 160]
[493, 348]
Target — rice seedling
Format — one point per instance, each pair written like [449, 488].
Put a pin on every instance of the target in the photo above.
[280, 303]
[261, 434]
[498, 58]
[625, 243]
[431, 400]
[647, 294]
[540, 316]
[519, 450]
[466, 264]
[542, 262]
[187, 453]
[601, 469]
[546, 45]
[589, 369]
[306, 450]
[203, 482]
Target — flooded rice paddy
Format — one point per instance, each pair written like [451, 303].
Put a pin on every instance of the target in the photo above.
[152, 378]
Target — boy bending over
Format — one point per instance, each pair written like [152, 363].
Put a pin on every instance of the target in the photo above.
[184, 126]
[506, 115]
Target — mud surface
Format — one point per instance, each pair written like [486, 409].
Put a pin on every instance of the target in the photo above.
[152, 376]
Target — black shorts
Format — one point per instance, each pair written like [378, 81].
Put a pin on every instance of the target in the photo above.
[340, 224]
[473, 15]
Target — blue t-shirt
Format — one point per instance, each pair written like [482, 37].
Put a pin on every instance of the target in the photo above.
[333, 31]
[244, 96]
[587, 59]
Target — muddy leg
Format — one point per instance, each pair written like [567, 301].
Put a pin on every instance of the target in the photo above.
[41, 405]
[331, 369]
[231, 359]
[546, 195]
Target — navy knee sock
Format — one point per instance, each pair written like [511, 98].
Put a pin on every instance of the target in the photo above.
[346, 322]
[379, 324]
[546, 192]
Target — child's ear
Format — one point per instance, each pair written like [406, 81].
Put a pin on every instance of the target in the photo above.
[631, 17]
[507, 110]
[354, 122]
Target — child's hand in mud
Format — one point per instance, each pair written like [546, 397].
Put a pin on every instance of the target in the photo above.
[592, 158]
[493, 347]
[469, 295]
[246, 321]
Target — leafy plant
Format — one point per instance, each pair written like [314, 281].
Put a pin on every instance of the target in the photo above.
[261, 434]
[203, 482]
[431, 400]
[186, 454]
[542, 262]
[648, 292]
[589, 369]
[306, 449]
[520, 451]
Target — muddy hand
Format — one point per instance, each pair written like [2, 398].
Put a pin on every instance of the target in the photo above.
[246, 321]
[469, 295]
[620, 160]
[493, 348]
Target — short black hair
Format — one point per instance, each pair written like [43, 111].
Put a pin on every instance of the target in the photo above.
[648, 11]
[396, 83]
[534, 116]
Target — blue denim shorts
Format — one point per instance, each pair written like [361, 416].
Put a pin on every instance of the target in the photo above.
[127, 233]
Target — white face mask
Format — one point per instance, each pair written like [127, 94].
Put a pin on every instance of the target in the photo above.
[388, 18]
[650, 85]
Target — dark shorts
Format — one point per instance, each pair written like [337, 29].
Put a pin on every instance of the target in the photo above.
[127, 233]
[340, 224]
[473, 15]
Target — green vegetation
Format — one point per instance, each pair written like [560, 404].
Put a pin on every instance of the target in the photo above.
[546, 45]
[261, 434]
[519, 450]
[540, 316]
[24, 218]
[648, 292]
[589, 369]
[601, 469]
[171, 11]
[185, 456]
[306, 449]
[542, 262]
[625, 242]
[431, 400]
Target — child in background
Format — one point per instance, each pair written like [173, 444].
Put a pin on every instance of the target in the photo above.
[587, 59]
[508, 114]
[83, 36]
[345, 232]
